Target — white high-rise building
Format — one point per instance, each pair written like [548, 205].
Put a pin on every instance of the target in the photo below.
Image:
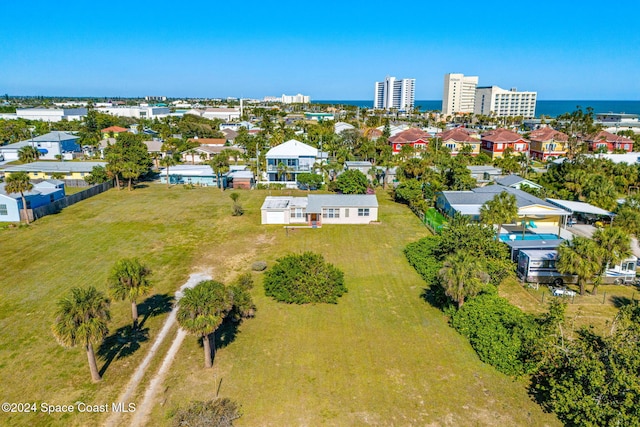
[493, 100]
[296, 99]
[394, 93]
[459, 93]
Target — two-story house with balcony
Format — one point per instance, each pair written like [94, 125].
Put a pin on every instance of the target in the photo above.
[289, 159]
[608, 142]
[495, 142]
[416, 138]
[547, 142]
[458, 138]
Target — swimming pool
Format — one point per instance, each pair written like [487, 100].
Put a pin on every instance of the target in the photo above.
[529, 236]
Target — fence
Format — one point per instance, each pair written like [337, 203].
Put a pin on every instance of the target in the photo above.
[58, 205]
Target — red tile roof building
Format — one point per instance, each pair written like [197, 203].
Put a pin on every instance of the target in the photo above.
[115, 129]
[609, 141]
[548, 142]
[415, 137]
[495, 142]
[457, 138]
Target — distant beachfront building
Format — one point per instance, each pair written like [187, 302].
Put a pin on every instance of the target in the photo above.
[296, 99]
[394, 93]
[616, 122]
[495, 101]
[459, 94]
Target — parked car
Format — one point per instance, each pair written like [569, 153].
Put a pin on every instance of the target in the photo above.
[563, 292]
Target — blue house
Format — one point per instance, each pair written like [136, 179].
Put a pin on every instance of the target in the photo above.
[49, 145]
[41, 194]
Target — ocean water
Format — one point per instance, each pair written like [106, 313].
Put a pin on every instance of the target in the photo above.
[546, 108]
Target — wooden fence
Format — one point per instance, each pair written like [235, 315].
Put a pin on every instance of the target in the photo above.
[58, 205]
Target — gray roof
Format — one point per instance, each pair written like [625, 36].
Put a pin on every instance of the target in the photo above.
[481, 169]
[357, 164]
[55, 136]
[38, 188]
[55, 167]
[319, 201]
[240, 174]
[481, 195]
[510, 180]
[540, 254]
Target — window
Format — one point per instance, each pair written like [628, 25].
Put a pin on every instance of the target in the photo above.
[4, 210]
[331, 213]
[346, 213]
[297, 213]
[363, 211]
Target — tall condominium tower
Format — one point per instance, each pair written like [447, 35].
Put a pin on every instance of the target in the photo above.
[394, 93]
[493, 100]
[459, 93]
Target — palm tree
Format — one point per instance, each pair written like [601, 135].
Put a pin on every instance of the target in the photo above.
[500, 210]
[462, 276]
[18, 182]
[167, 161]
[28, 154]
[129, 281]
[615, 245]
[202, 309]
[580, 256]
[220, 164]
[192, 152]
[81, 319]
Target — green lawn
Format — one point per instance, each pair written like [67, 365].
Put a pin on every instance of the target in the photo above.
[381, 356]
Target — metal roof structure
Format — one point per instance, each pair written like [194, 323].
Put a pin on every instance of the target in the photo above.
[579, 207]
[51, 167]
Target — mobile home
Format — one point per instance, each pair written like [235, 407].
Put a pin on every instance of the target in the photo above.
[539, 266]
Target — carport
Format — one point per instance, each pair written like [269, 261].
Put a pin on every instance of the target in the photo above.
[581, 208]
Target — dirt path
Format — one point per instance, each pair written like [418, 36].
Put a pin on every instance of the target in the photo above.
[143, 409]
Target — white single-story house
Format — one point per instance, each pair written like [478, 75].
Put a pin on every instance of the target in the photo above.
[317, 209]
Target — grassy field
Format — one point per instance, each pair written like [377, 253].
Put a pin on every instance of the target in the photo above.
[588, 310]
[381, 356]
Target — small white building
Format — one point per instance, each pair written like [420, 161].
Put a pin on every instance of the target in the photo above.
[317, 209]
[137, 112]
[226, 114]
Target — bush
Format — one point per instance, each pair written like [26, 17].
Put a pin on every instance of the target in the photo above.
[352, 181]
[302, 279]
[259, 266]
[218, 412]
[499, 332]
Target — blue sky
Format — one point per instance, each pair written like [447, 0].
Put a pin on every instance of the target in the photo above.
[325, 49]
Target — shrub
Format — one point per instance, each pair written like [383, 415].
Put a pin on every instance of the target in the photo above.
[259, 266]
[303, 279]
[218, 412]
[499, 332]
